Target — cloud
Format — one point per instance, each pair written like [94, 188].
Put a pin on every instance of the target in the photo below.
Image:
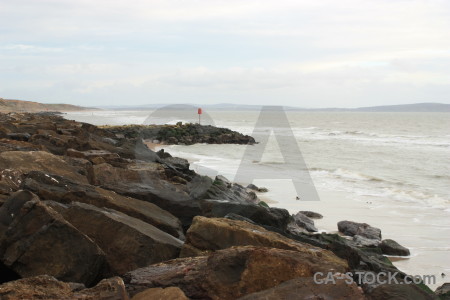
[30, 48]
[232, 50]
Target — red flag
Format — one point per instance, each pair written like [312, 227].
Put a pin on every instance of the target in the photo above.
[199, 111]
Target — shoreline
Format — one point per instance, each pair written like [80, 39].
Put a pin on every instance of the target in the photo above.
[65, 183]
[422, 261]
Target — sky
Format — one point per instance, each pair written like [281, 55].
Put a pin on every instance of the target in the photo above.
[321, 53]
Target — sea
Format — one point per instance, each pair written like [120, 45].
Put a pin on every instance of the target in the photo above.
[390, 170]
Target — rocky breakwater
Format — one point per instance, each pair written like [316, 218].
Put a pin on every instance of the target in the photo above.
[180, 133]
[87, 213]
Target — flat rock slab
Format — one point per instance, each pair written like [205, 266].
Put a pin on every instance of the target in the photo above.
[39, 161]
[170, 293]
[228, 274]
[66, 191]
[39, 241]
[146, 184]
[210, 234]
[127, 242]
[306, 288]
[48, 287]
[400, 292]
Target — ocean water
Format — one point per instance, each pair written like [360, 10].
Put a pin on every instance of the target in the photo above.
[391, 170]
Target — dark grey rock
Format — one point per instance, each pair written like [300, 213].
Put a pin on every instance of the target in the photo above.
[19, 136]
[311, 214]
[40, 241]
[444, 291]
[365, 242]
[353, 228]
[13, 205]
[274, 217]
[304, 222]
[162, 154]
[400, 292]
[129, 243]
[252, 187]
[177, 163]
[391, 247]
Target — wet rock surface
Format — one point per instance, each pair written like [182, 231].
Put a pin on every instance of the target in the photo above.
[170, 293]
[311, 214]
[365, 230]
[128, 243]
[304, 222]
[65, 191]
[38, 241]
[444, 291]
[211, 234]
[274, 217]
[400, 292]
[306, 288]
[391, 247]
[228, 274]
[47, 287]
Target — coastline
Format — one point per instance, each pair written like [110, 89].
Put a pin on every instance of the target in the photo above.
[95, 188]
[335, 206]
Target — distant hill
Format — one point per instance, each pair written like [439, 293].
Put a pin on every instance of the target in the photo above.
[7, 105]
[418, 107]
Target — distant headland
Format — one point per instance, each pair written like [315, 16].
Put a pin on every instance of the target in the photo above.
[8, 105]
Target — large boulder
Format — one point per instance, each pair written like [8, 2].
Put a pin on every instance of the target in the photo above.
[230, 273]
[13, 145]
[391, 247]
[353, 228]
[177, 163]
[48, 287]
[25, 162]
[92, 154]
[54, 142]
[39, 241]
[211, 234]
[303, 221]
[202, 187]
[19, 136]
[359, 259]
[127, 242]
[66, 191]
[443, 291]
[274, 217]
[97, 157]
[306, 288]
[12, 206]
[107, 289]
[10, 181]
[144, 182]
[170, 293]
[400, 292]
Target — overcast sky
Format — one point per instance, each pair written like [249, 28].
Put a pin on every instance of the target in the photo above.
[309, 53]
